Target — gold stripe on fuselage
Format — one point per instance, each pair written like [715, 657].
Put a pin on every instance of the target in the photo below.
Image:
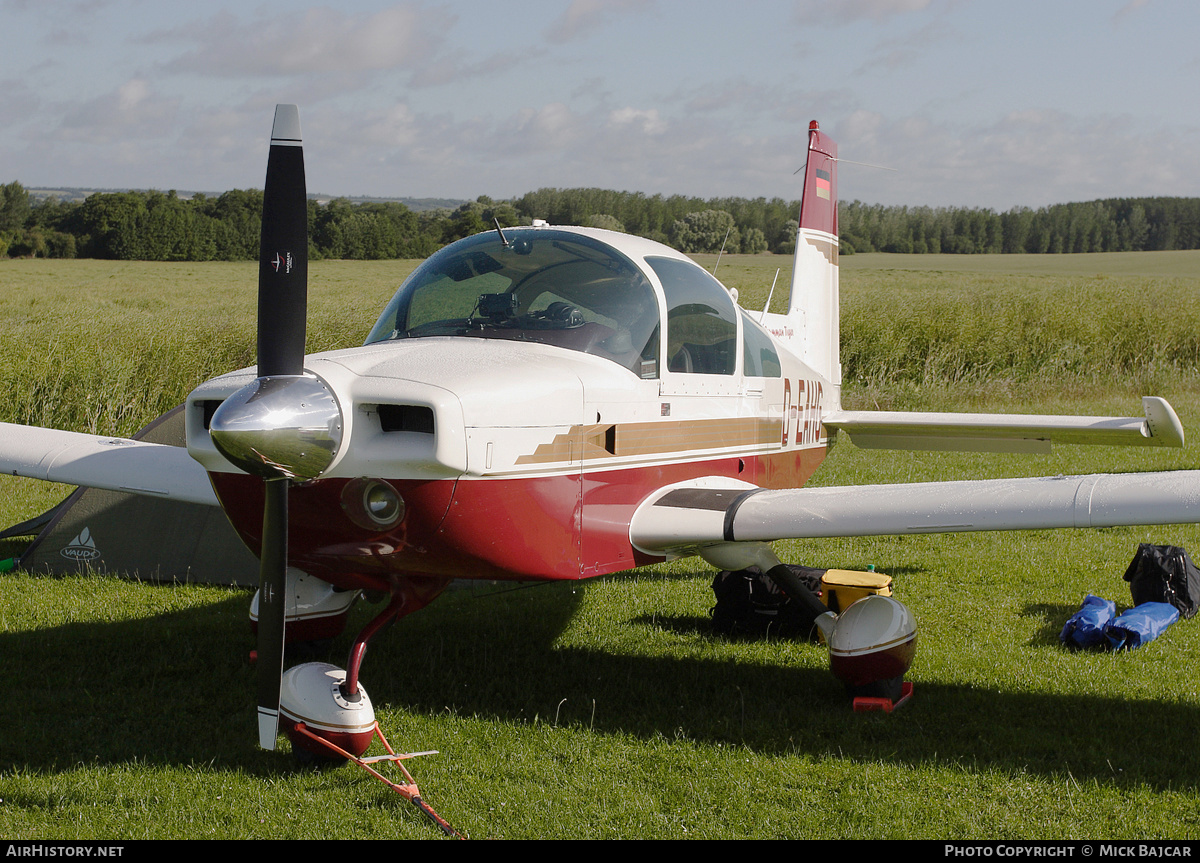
[607, 440]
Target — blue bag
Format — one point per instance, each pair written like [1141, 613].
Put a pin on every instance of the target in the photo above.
[1086, 626]
[1140, 624]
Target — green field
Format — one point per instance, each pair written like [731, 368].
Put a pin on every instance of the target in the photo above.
[607, 709]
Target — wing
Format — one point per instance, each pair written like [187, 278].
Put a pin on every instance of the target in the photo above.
[683, 518]
[698, 514]
[118, 464]
[1006, 432]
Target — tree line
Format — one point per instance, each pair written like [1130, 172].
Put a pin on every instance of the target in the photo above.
[161, 226]
[1111, 225]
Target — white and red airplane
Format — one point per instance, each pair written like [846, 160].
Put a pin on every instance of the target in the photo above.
[553, 402]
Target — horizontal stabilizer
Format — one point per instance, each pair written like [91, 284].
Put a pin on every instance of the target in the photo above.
[117, 464]
[678, 520]
[1006, 432]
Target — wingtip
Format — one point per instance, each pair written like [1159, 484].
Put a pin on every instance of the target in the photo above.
[1162, 422]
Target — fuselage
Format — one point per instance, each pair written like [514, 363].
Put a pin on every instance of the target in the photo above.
[521, 395]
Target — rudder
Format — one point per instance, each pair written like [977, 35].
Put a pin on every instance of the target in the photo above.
[812, 318]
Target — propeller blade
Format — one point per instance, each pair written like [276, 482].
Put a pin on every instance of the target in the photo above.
[272, 601]
[282, 308]
[283, 253]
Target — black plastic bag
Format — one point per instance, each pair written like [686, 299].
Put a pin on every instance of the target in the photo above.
[750, 604]
[1164, 573]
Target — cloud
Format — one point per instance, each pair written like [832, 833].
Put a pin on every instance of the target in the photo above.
[584, 16]
[737, 94]
[553, 127]
[18, 101]
[743, 100]
[1128, 8]
[319, 40]
[838, 12]
[648, 120]
[450, 68]
[905, 49]
[1029, 158]
[132, 111]
[336, 52]
[127, 136]
[404, 151]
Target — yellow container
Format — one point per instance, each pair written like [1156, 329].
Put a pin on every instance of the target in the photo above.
[840, 588]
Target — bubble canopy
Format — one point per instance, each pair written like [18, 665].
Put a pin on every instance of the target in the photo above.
[531, 285]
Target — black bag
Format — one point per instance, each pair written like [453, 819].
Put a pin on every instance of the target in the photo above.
[1164, 573]
[751, 604]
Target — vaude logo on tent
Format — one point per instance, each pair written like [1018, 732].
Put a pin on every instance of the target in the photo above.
[82, 547]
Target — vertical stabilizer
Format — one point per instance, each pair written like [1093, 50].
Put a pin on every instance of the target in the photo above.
[810, 326]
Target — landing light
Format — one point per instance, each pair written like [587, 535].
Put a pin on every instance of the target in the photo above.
[372, 503]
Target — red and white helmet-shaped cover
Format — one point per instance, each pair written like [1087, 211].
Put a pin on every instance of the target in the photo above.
[311, 693]
[875, 640]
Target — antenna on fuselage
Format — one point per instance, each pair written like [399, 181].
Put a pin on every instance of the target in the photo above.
[770, 294]
[499, 231]
[723, 242]
[849, 162]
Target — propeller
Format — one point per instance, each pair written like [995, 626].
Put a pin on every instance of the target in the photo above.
[282, 312]
[285, 424]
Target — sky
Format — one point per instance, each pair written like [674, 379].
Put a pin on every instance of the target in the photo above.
[978, 103]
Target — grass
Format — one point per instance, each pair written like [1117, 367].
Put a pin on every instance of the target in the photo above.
[105, 346]
[607, 709]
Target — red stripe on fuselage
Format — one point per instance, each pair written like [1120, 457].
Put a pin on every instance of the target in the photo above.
[565, 526]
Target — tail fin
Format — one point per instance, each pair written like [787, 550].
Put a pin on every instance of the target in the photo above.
[811, 322]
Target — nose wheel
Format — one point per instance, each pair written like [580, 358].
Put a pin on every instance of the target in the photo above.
[331, 704]
[311, 695]
[327, 714]
[326, 725]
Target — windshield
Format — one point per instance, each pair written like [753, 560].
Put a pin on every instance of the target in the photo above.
[547, 286]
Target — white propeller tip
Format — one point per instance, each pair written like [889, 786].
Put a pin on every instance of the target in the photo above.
[286, 129]
[268, 727]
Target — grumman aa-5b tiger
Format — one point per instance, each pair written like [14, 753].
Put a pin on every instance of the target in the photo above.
[545, 402]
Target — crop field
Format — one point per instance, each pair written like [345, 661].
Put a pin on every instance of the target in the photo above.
[608, 708]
